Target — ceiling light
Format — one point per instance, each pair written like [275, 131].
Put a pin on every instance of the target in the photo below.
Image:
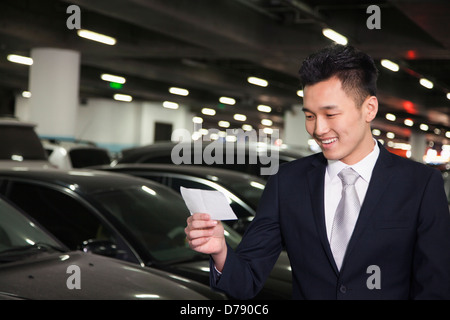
[333, 35]
[197, 120]
[390, 117]
[388, 64]
[170, 105]
[178, 91]
[447, 134]
[300, 93]
[390, 135]
[264, 108]
[426, 83]
[247, 127]
[258, 81]
[208, 111]
[112, 78]
[239, 117]
[96, 37]
[268, 130]
[224, 124]
[266, 122]
[423, 127]
[227, 100]
[123, 97]
[20, 59]
[376, 132]
[448, 96]
[26, 94]
[408, 122]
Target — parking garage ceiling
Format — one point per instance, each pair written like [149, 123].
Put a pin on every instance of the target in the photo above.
[212, 47]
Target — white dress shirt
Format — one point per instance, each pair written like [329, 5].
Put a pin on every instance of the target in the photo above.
[333, 185]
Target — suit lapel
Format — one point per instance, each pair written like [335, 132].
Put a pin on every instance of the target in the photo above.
[316, 182]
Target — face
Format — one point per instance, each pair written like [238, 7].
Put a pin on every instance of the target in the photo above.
[339, 126]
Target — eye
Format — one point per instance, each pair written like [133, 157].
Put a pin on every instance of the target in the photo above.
[332, 115]
[309, 116]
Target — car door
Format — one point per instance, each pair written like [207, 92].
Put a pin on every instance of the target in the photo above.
[64, 214]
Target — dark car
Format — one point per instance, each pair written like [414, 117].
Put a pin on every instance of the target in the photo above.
[34, 265]
[20, 145]
[255, 159]
[124, 217]
[242, 190]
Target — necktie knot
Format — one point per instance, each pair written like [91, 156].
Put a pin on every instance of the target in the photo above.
[348, 176]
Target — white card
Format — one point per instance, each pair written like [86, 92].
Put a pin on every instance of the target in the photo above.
[212, 202]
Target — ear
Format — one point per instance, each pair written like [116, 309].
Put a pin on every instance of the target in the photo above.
[371, 106]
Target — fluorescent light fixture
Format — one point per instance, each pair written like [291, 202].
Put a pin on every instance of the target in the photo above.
[26, 94]
[239, 117]
[300, 93]
[264, 108]
[112, 78]
[266, 122]
[258, 81]
[388, 64]
[208, 111]
[376, 132]
[178, 91]
[423, 127]
[426, 83]
[390, 135]
[123, 97]
[197, 120]
[224, 124]
[408, 122]
[94, 36]
[20, 59]
[390, 117]
[170, 105]
[227, 100]
[247, 127]
[333, 35]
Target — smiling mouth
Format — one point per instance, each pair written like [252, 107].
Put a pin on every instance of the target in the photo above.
[328, 141]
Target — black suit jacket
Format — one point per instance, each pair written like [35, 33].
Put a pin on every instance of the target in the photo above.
[403, 233]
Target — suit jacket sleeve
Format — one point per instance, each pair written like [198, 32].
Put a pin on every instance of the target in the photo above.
[246, 269]
[431, 274]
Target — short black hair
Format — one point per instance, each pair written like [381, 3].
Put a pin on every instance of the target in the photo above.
[355, 69]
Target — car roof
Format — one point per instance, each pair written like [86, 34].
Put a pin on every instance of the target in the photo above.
[86, 179]
[194, 170]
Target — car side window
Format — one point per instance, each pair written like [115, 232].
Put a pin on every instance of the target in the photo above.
[63, 216]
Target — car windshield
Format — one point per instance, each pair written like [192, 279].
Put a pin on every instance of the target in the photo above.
[250, 190]
[156, 216]
[20, 237]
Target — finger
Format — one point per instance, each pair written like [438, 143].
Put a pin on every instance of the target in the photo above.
[200, 216]
[202, 224]
[198, 242]
[199, 233]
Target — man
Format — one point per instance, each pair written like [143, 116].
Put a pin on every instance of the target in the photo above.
[397, 244]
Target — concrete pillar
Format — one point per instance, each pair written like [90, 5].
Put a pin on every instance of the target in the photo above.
[295, 133]
[418, 143]
[54, 86]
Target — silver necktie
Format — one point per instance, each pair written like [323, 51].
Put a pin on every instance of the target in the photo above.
[346, 215]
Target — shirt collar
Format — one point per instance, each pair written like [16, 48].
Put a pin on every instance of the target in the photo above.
[363, 167]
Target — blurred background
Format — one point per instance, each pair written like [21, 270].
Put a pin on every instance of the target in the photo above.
[126, 73]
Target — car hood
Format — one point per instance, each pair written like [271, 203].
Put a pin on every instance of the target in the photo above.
[278, 285]
[47, 275]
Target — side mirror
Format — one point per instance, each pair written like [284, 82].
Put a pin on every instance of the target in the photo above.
[101, 247]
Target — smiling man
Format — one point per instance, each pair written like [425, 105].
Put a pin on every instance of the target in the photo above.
[344, 213]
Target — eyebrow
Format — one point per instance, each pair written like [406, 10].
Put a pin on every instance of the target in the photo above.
[332, 107]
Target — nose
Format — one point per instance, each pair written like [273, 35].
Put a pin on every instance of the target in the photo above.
[320, 126]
